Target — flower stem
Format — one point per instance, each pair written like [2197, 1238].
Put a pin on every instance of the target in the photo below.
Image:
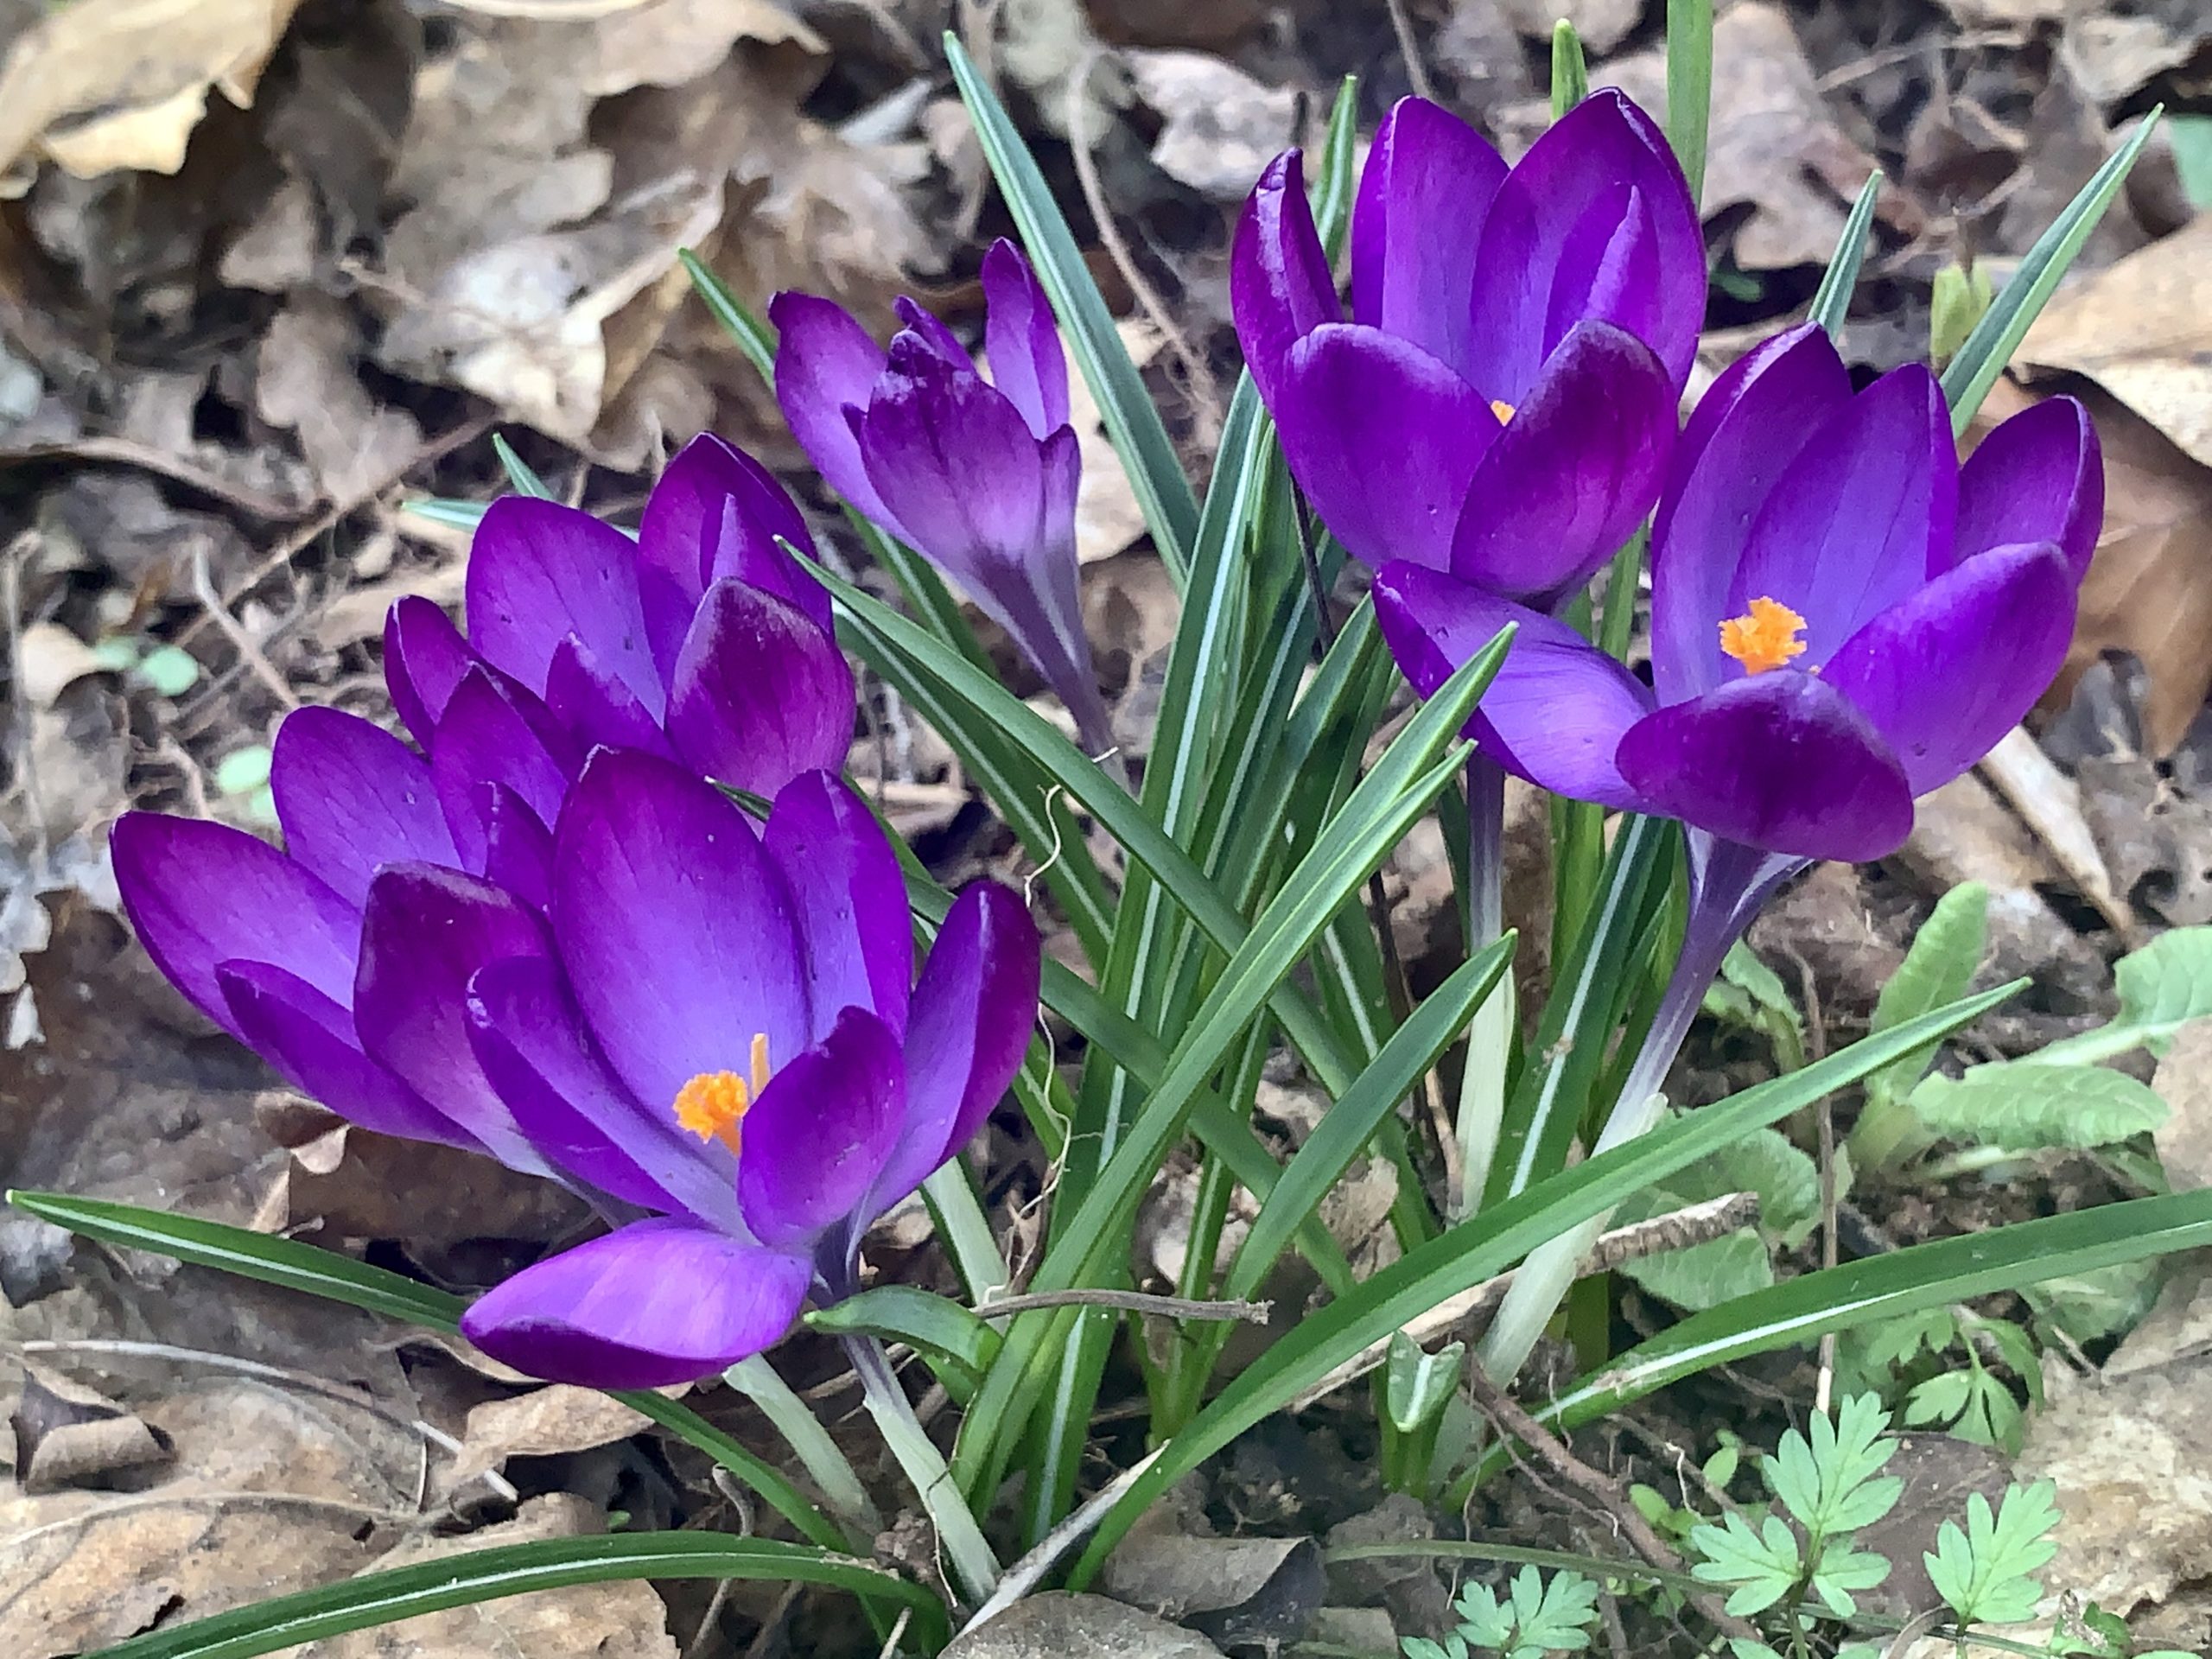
[1489, 1034]
[827, 1467]
[975, 1568]
[1728, 883]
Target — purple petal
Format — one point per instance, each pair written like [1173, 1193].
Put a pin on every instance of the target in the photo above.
[1595, 223]
[530, 1040]
[1781, 760]
[311, 1040]
[1280, 289]
[849, 896]
[1020, 342]
[1383, 439]
[518, 847]
[923, 333]
[975, 1009]
[351, 796]
[486, 738]
[424, 933]
[674, 926]
[659, 1302]
[1860, 518]
[538, 572]
[202, 894]
[595, 706]
[826, 363]
[952, 456]
[718, 512]
[1559, 707]
[1427, 168]
[1950, 669]
[2039, 477]
[1743, 433]
[424, 657]
[1574, 471]
[761, 693]
[818, 1135]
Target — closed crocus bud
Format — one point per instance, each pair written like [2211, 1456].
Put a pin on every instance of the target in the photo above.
[977, 475]
[1503, 404]
[1843, 618]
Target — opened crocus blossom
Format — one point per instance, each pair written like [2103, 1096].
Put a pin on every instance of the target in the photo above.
[979, 476]
[1503, 404]
[329, 974]
[725, 1028]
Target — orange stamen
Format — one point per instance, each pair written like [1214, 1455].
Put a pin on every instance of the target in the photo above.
[1764, 637]
[712, 1106]
[1504, 410]
[759, 1058]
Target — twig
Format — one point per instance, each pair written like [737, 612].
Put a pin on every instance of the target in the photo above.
[1548, 1449]
[124, 452]
[898, 1629]
[1134, 1301]
[697, 1646]
[1029, 1572]
[1698, 1224]
[1416, 72]
[203, 589]
[1204, 392]
[1824, 1113]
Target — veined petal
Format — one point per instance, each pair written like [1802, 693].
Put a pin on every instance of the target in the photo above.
[1383, 439]
[975, 1009]
[518, 847]
[1559, 707]
[596, 705]
[1020, 341]
[1860, 518]
[530, 1039]
[718, 512]
[1949, 670]
[353, 798]
[424, 933]
[826, 363]
[952, 456]
[487, 738]
[1574, 471]
[1280, 289]
[1595, 223]
[926, 332]
[539, 572]
[1782, 760]
[424, 657]
[311, 1040]
[656, 1303]
[2039, 477]
[849, 897]
[761, 693]
[202, 894]
[1427, 170]
[1745, 432]
[819, 1135]
[674, 926]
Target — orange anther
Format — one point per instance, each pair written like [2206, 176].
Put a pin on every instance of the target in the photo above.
[1764, 637]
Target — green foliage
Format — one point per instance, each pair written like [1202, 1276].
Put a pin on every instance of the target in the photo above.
[1986, 1573]
[2029, 1105]
[1751, 994]
[1537, 1617]
[1787, 1184]
[1960, 298]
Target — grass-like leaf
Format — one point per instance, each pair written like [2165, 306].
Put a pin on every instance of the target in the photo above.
[1690, 87]
[1832, 300]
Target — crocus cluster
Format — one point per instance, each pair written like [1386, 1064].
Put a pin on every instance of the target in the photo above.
[551, 940]
[979, 476]
[1843, 618]
[1502, 404]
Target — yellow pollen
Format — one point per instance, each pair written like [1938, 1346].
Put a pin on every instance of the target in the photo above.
[712, 1104]
[759, 1058]
[1504, 410]
[1765, 637]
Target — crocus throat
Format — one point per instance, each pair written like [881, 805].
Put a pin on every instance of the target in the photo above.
[712, 1104]
[1504, 410]
[1764, 637]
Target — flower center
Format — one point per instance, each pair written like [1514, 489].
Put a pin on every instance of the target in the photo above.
[1764, 637]
[712, 1104]
[1504, 410]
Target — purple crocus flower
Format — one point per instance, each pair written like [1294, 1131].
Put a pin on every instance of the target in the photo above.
[713, 1028]
[977, 475]
[702, 639]
[725, 1028]
[1843, 618]
[1503, 404]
